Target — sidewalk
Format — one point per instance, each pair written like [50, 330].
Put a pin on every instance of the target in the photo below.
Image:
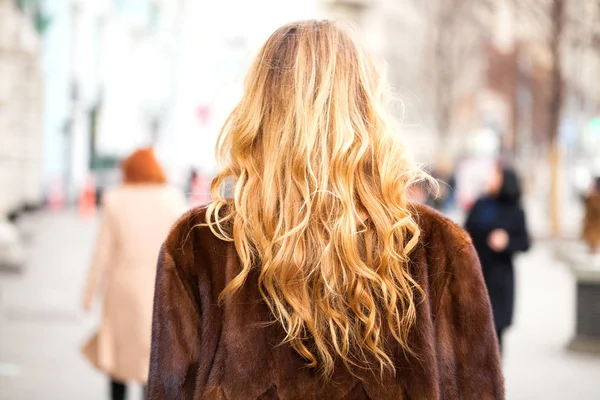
[536, 362]
[42, 327]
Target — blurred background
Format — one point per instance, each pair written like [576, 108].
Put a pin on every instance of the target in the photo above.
[84, 83]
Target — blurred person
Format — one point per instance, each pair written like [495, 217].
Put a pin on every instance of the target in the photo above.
[136, 218]
[444, 174]
[192, 177]
[419, 193]
[591, 222]
[319, 279]
[497, 226]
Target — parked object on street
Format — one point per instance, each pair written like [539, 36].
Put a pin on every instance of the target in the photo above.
[136, 218]
[15, 234]
[585, 267]
[87, 199]
[12, 252]
[587, 323]
[584, 260]
[497, 226]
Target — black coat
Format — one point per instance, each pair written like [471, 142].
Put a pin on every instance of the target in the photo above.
[498, 271]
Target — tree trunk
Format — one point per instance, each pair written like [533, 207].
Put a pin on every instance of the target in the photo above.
[443, 75]
[558, 11]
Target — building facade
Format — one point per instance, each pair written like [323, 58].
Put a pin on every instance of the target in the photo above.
[20, 110]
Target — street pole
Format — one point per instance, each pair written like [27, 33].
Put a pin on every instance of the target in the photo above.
[557, 90]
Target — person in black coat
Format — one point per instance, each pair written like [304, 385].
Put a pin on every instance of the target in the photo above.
[497, 226]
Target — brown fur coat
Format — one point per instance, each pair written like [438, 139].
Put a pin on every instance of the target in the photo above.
[201, 350]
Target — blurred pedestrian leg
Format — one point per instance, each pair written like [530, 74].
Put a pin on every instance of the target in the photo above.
[118, 390]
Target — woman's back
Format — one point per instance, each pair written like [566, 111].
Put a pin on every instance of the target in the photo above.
[206, 351]
[318, 274]
[140, 215]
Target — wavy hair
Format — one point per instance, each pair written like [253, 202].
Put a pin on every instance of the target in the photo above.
[319, 208]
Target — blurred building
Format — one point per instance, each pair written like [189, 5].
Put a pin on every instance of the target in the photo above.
[520, 70]
[122, 74]
[104, 65]
[473, 78]
[20, 110]
[130, 73]
[520, 74]
[433, 51]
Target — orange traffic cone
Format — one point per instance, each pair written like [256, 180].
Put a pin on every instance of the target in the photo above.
[87, 199]
[56, 196]
[200, 191]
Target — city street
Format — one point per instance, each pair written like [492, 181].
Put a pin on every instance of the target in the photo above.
[313, 100]
[42, 325]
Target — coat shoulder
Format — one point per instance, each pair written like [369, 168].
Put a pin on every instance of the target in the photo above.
[437, 227]
[191, 222]
[193, 246]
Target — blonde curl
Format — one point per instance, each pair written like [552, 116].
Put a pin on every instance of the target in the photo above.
[319, 205]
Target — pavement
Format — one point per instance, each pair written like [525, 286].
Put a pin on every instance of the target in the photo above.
[42, 326]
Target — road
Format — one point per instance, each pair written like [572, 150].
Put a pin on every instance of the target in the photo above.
[42, 326]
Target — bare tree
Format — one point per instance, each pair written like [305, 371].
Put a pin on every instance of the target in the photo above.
[556, 102]
[458, 33]
[567, 29]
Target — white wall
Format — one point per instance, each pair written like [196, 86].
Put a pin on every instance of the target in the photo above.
[20, 110]
[216, 47]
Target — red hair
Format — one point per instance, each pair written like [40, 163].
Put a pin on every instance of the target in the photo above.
[142, 167]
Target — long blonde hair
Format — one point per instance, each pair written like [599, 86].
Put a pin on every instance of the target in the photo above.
[320, 205]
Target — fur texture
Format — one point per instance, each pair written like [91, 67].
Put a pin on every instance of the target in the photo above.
[203, 350]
